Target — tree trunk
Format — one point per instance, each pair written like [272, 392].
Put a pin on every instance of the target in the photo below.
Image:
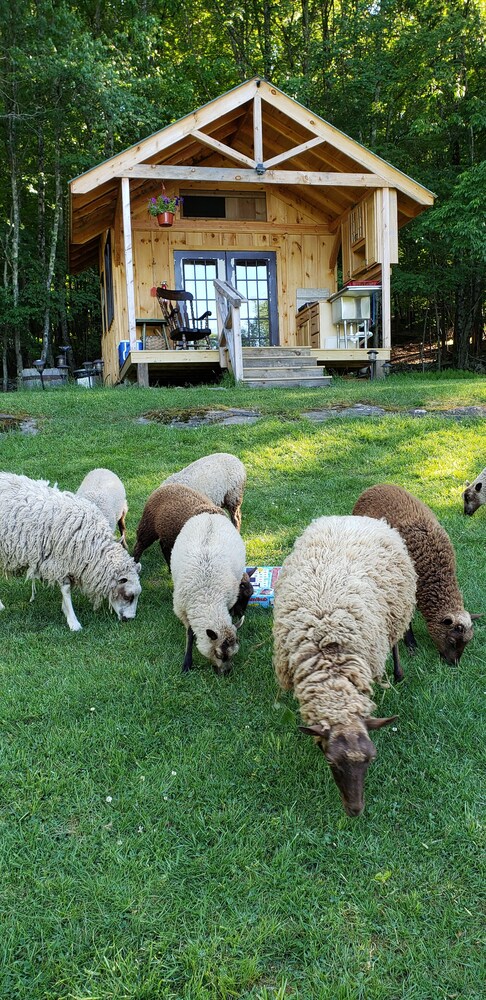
[46, 339]
[15, 217]
[462, 325]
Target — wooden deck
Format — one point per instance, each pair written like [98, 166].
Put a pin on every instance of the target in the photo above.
[145, 367]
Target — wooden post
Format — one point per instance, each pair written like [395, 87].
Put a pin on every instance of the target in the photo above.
[238, 357]
[127, 247]
[257, 128]
[229, 328]
[385, 269]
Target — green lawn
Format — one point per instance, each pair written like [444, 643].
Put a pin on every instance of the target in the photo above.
[170, 836]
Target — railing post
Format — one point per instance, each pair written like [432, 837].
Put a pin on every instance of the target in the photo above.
[228, 301]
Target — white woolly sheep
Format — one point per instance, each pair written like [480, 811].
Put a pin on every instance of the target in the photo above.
[107, 491]
[221, 477]
[438, 596]
[207, 566]
[61, 538]
[344, 596]
[475, 494]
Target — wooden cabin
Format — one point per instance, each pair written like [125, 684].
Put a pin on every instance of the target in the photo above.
[287, 233]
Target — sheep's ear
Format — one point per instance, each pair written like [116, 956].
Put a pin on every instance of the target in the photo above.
[138, 567]
[378, 723]
[467, 482]
[323, 734]
[211, 634]
[475, 617]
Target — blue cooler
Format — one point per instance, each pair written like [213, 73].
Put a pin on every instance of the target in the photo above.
[124, 350]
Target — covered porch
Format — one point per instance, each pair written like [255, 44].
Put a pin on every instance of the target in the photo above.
[320, 344]
[275, 204]
[147, 367]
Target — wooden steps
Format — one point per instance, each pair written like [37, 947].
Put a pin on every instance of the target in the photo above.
[282, 367]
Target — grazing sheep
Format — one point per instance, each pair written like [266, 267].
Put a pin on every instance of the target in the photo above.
[475, 494]
[207, 566]
[221, 477]
[438, 596]
[166, 511]
[61, 538]
[107, 491]
[344, 596]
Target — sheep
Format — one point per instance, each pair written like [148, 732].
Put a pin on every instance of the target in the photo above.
[107, 491]
[344, 595]
[474, 496]
[62, 538]
[166, 511]
[207, 566]
[438, 596]
[221, 477]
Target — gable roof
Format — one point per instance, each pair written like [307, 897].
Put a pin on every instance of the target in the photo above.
[252, 136]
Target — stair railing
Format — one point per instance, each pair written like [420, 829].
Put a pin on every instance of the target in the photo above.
[228, 302]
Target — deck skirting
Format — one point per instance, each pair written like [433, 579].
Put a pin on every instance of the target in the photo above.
[170, 361]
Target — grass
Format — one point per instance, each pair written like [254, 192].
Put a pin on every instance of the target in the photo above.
[169, 836]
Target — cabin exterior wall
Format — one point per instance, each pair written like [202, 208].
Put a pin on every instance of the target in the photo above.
[300, 238]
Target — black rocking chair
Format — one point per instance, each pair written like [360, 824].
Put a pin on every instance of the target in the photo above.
[181, 325]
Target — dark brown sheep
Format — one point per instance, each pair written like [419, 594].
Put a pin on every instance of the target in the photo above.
[166, 512]
[438, 596]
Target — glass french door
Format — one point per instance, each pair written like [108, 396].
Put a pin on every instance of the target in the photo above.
[252, 274]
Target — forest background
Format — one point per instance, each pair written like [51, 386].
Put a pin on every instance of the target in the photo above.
[81, 81]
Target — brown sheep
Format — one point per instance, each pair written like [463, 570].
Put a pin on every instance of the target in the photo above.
[438, 596]
[166, 511]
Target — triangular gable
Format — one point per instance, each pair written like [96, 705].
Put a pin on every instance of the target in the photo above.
[145, 158]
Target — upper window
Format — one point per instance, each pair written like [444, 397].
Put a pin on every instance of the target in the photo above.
[238, 206]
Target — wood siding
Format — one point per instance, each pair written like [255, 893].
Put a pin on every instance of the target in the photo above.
[297, 233]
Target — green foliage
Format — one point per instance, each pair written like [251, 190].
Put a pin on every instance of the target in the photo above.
[170, 837]
[82, 82]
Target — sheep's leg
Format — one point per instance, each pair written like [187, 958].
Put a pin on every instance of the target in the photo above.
[245, 591]
[123, 531]
[234, 510]
[32, 593]
[146, 536]
[2, 606]
[410, 641]
[397, 667]
[166, 552]
[67, 606]
[187, 665]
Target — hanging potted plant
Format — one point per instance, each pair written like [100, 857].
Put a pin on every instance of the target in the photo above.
[163, 208]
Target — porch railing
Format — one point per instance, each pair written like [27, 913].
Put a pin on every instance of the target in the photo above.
[228, 302]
